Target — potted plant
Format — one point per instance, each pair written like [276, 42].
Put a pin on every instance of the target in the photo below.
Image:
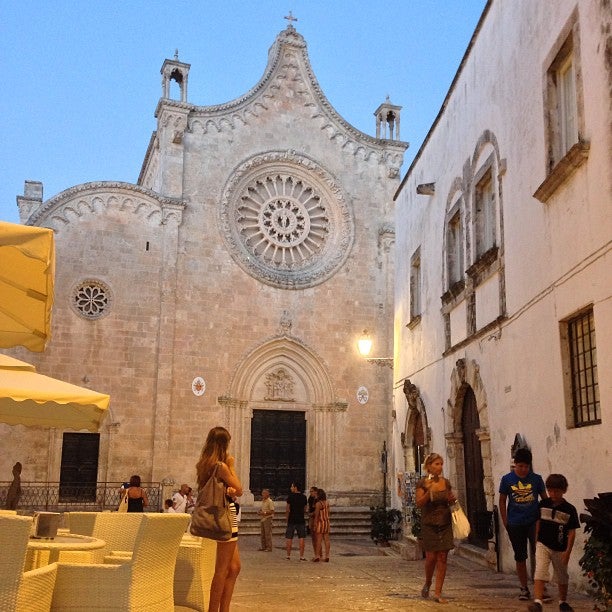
[596, 562]
[385, 524]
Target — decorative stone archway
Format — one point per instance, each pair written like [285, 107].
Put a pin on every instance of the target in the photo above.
[306, 387]
[466, 373]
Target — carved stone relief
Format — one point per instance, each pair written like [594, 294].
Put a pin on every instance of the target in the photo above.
[279, 386]
[416, 430]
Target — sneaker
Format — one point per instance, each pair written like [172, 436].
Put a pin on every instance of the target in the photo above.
[524, 595]
[565, 607]
[535, 606]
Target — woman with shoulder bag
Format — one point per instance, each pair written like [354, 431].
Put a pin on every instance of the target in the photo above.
[227, 567]
[434, 496]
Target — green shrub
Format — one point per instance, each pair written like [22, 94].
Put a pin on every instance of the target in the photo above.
[596, 562]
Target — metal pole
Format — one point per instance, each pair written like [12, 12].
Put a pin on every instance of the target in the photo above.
[383, 468]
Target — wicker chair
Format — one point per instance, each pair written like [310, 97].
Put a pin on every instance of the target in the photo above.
[145, 583]
[22, 591]
[195, 568]
[117, 529]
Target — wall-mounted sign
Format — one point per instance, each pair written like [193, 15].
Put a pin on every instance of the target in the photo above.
[362, 395]
[198, 386]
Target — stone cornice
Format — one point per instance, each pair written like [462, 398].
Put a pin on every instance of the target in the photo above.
[166, 207]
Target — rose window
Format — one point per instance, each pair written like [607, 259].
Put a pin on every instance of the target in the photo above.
[282, 221]
[91, 299]
[285, 220]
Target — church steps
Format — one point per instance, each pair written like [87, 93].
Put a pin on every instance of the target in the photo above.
[346, 522]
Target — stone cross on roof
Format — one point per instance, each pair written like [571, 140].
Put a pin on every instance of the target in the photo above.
[290, 18]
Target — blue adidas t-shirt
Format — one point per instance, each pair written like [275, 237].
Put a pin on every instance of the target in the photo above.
[523, 494]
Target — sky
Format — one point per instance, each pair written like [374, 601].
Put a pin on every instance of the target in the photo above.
[81, 78]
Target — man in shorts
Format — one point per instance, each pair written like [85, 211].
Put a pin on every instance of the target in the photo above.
[519, 491]
[294, 511]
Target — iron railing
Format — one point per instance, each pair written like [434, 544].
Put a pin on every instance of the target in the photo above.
[56, 497]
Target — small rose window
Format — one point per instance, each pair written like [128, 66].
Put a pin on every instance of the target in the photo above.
[91, 299]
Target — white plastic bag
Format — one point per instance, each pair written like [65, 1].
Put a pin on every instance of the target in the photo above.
[461, 525]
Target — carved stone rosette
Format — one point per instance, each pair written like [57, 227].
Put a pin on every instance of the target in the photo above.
[285, 220]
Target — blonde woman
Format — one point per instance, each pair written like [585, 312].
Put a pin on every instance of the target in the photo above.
[227, 566]
[434, 496]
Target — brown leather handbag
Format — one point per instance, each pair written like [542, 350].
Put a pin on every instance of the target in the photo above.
[212, 516]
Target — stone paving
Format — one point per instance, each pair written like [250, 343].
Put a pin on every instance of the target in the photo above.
[363, 577]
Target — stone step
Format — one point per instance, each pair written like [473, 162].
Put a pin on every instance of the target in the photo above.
[346, 522]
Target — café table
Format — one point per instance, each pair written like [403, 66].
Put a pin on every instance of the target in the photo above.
[42, 551]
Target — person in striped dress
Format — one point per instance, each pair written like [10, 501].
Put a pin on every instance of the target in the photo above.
[321, 526]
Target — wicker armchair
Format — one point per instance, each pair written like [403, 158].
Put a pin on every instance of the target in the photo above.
[117, 529]
[22, 591]
[195, 568]
[145, 583]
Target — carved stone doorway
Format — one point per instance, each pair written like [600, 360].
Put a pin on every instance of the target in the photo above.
[474, 471]
[278, 451]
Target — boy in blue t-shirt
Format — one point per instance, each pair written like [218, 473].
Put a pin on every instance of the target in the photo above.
[518, 505]
[555, 531]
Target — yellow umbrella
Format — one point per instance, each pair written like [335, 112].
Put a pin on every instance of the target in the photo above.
[27, 263]
[29, 398]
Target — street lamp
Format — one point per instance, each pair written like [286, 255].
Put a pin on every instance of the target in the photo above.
[365, 346]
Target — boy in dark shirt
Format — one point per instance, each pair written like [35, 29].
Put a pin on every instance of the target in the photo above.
[556, 531]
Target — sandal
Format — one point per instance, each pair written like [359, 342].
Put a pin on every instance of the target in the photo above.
[425, 592]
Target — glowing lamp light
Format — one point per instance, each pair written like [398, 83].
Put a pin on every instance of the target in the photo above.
[365, 344]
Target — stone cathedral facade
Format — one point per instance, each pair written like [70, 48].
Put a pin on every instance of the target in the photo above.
[228, 286]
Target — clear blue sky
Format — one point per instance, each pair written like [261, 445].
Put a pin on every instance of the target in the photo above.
[81, 79]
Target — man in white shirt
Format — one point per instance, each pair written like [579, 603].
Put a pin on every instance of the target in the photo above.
[179, 499]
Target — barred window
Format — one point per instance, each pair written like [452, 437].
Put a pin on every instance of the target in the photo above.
[582, 369]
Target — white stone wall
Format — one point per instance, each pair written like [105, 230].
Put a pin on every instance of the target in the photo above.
[554, 257]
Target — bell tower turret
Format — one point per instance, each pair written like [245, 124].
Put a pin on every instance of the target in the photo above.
[173, 70]
[388, 120]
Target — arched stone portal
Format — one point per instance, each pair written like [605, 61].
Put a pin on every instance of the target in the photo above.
[466, 376]
[284, 374]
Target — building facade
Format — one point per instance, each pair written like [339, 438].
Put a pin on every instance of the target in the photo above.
[228, 286]
[503, 316]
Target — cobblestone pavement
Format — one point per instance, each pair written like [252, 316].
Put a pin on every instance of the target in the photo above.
[363, 577]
